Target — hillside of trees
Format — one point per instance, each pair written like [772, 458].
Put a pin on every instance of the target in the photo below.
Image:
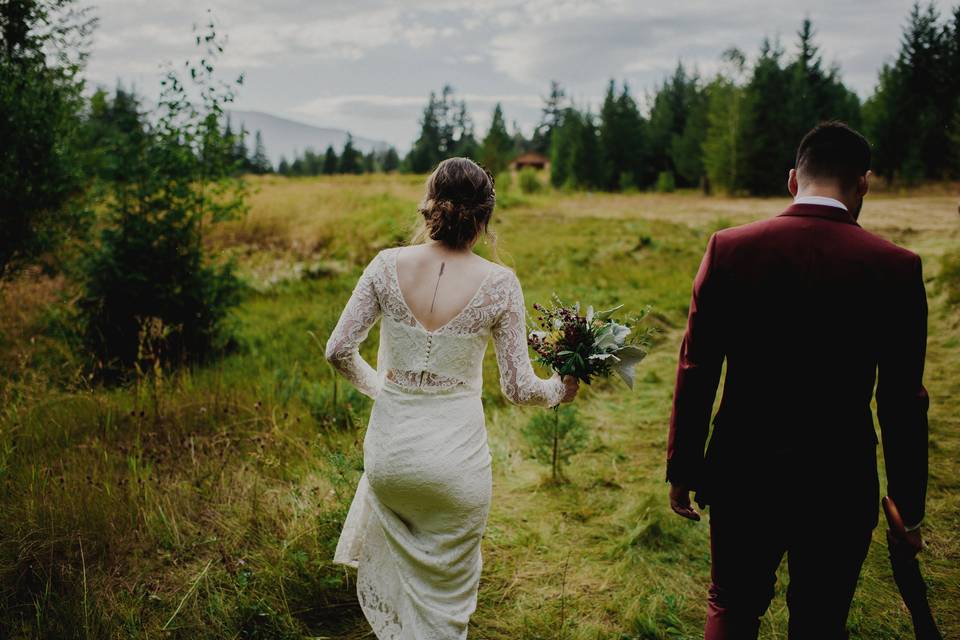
[350, 160]
[735, 132]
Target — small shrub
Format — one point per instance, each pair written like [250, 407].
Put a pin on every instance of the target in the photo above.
[949, 278]
[151, 266]
[529, 180]
[556, 436]
[504, 182]
[666, 182]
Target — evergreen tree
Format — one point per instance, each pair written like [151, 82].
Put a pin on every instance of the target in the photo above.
[519, 141]
[151, 293]
[43, 46]
[465, 143]
[623, 153]
[260, 163]
[391, 161]
[768, 148]
[312, 163]
[821, 94]
[915, 102]
[673, 105]
[445, 130]
[284, 167]
[587, 170]
[553, 106]
[113, 132]
[331, 163]
[497, 145]
[297, 167]
[351, 160]
[241, 156]
[575, 152]
[686, 148]
[370, 162]
[563, 136]
[425, 152]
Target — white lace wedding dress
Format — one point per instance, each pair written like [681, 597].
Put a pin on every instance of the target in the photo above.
[414, 528]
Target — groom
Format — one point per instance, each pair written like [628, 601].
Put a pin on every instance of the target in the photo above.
[809, 311]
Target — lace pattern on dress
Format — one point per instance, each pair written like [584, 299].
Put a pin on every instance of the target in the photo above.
[422, 380]
[360, 314]
[497, 306]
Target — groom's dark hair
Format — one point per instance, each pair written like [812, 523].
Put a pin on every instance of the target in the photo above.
[833, 150]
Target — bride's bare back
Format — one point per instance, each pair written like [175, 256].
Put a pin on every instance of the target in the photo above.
[433, 298]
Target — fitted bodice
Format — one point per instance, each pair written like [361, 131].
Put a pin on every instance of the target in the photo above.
[451, 356]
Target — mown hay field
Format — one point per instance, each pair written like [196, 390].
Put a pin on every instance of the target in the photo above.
[207, 503]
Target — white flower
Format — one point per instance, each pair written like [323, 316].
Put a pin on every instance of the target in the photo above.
[603, 356]
[628, 357]
[611, 337]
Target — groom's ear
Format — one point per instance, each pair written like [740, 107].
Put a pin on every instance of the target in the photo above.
[792, 186]
[863, 184]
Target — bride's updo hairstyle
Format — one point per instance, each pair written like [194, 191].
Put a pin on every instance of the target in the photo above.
[458, 203]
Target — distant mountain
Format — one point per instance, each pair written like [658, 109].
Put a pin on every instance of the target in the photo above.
[289, 138]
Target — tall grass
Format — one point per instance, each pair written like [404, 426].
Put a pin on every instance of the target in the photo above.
[206, 503]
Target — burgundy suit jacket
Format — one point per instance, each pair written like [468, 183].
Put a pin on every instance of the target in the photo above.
[806, 309]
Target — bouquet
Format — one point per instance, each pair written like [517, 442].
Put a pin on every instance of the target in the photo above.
[590, 344]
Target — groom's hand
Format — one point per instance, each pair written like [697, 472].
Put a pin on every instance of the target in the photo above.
[680, 502]
[911, 540]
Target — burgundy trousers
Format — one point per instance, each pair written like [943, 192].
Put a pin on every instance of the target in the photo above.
[824, 559]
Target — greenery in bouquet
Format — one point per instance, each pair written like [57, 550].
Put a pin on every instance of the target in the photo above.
[588, 343]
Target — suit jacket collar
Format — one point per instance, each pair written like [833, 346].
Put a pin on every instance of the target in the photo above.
[826, 212]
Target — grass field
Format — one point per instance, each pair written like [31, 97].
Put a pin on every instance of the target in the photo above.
[207, 503]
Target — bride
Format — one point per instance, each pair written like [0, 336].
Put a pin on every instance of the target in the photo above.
[414, 528]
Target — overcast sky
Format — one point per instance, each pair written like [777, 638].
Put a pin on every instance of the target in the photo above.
[368, 65]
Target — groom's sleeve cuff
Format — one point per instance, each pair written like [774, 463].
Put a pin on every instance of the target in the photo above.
[914, 527]
[680, 476]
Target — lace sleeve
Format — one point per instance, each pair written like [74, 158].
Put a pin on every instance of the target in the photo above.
[518, 380]
[360, 314]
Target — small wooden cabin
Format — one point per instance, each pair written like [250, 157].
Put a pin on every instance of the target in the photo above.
[530, 159]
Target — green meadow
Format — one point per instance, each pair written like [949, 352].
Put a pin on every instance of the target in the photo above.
[206, 503]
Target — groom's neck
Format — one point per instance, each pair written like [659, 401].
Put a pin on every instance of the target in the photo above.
[824, 190]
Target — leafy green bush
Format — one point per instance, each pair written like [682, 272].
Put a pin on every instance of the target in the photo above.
[152, 293]
[666, 183]
[555, 437]
[628, 182]
[504, 182]
[529, 180]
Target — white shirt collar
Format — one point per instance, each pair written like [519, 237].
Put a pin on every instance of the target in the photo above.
[826, 202]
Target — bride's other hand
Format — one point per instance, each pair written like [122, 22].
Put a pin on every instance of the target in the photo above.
[571, 386]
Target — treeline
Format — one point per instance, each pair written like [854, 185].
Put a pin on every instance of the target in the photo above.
[350, 160]
[737, 131]
[113, 125]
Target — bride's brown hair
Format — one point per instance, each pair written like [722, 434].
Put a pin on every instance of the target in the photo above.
[458, 204]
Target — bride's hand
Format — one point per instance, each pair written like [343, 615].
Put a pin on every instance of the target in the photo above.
[571, 386]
